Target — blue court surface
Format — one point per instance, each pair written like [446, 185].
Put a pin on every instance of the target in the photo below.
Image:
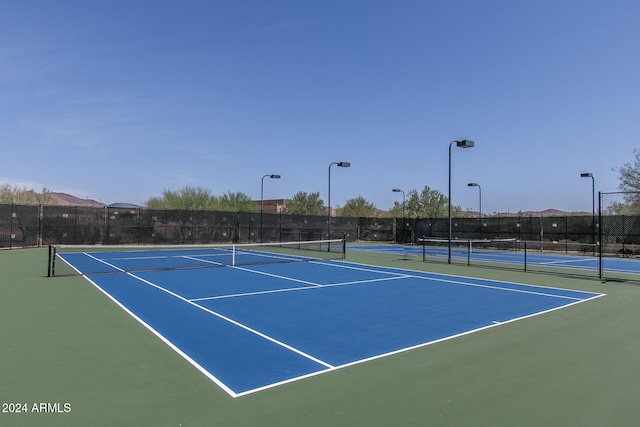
[254, 327]
[534, 258]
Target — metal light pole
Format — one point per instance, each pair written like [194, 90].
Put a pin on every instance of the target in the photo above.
[465, 143]
[340, 165]
[593, 203]
[262, 198]
[475, 184]
[397, 190]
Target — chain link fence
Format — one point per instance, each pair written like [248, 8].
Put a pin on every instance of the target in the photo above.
[20, 225]
[619, 226]
[27, 225]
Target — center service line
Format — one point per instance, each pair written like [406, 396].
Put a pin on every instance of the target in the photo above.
[245, 327]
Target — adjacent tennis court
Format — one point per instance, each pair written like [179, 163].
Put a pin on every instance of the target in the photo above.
[254, 318]
[509, 252]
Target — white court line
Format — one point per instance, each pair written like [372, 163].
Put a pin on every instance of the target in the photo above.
[245, 327]
[465, 283]
[358, 267]
[171, 345]
[501, 288]
[204, 260]
[274, 291]
[104, 262]
[139, 257]
[277, 276]
[568, 261]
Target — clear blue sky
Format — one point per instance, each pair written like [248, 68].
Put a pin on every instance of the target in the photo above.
[116, 100]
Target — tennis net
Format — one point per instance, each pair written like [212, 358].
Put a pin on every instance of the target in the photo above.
[124, 259]
[464, 248]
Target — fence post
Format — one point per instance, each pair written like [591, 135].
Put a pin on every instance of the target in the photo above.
[108, 220]
[40, 218]
[394, 229]
[75, 226]
[600, 235]
[11, 227]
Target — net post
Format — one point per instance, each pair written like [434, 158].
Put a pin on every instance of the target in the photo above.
[469, 254]
[233, 255]
[53, 261]
[344, 247]
[49, 262]
[525, 255]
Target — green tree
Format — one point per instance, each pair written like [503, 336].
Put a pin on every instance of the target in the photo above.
[305, 204]
[236, 202]
[426, 204]
[358, 207]
[6, 193]
[12, 194]
[23, 196]
[618, 208]
[189, 198]
[44, 197]
[629, 176]
[395, 211]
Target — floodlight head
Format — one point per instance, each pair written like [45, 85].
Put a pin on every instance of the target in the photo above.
[396, 190]
[274, 176]
[473, 184]
[465, 143]
[343, 164]
[586, 175]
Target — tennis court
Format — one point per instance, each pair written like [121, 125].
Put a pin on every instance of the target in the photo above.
[249, 324]
[68, 342]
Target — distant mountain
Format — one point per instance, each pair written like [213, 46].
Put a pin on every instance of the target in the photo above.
[65, 199]
[548, 212]
[544, 213]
